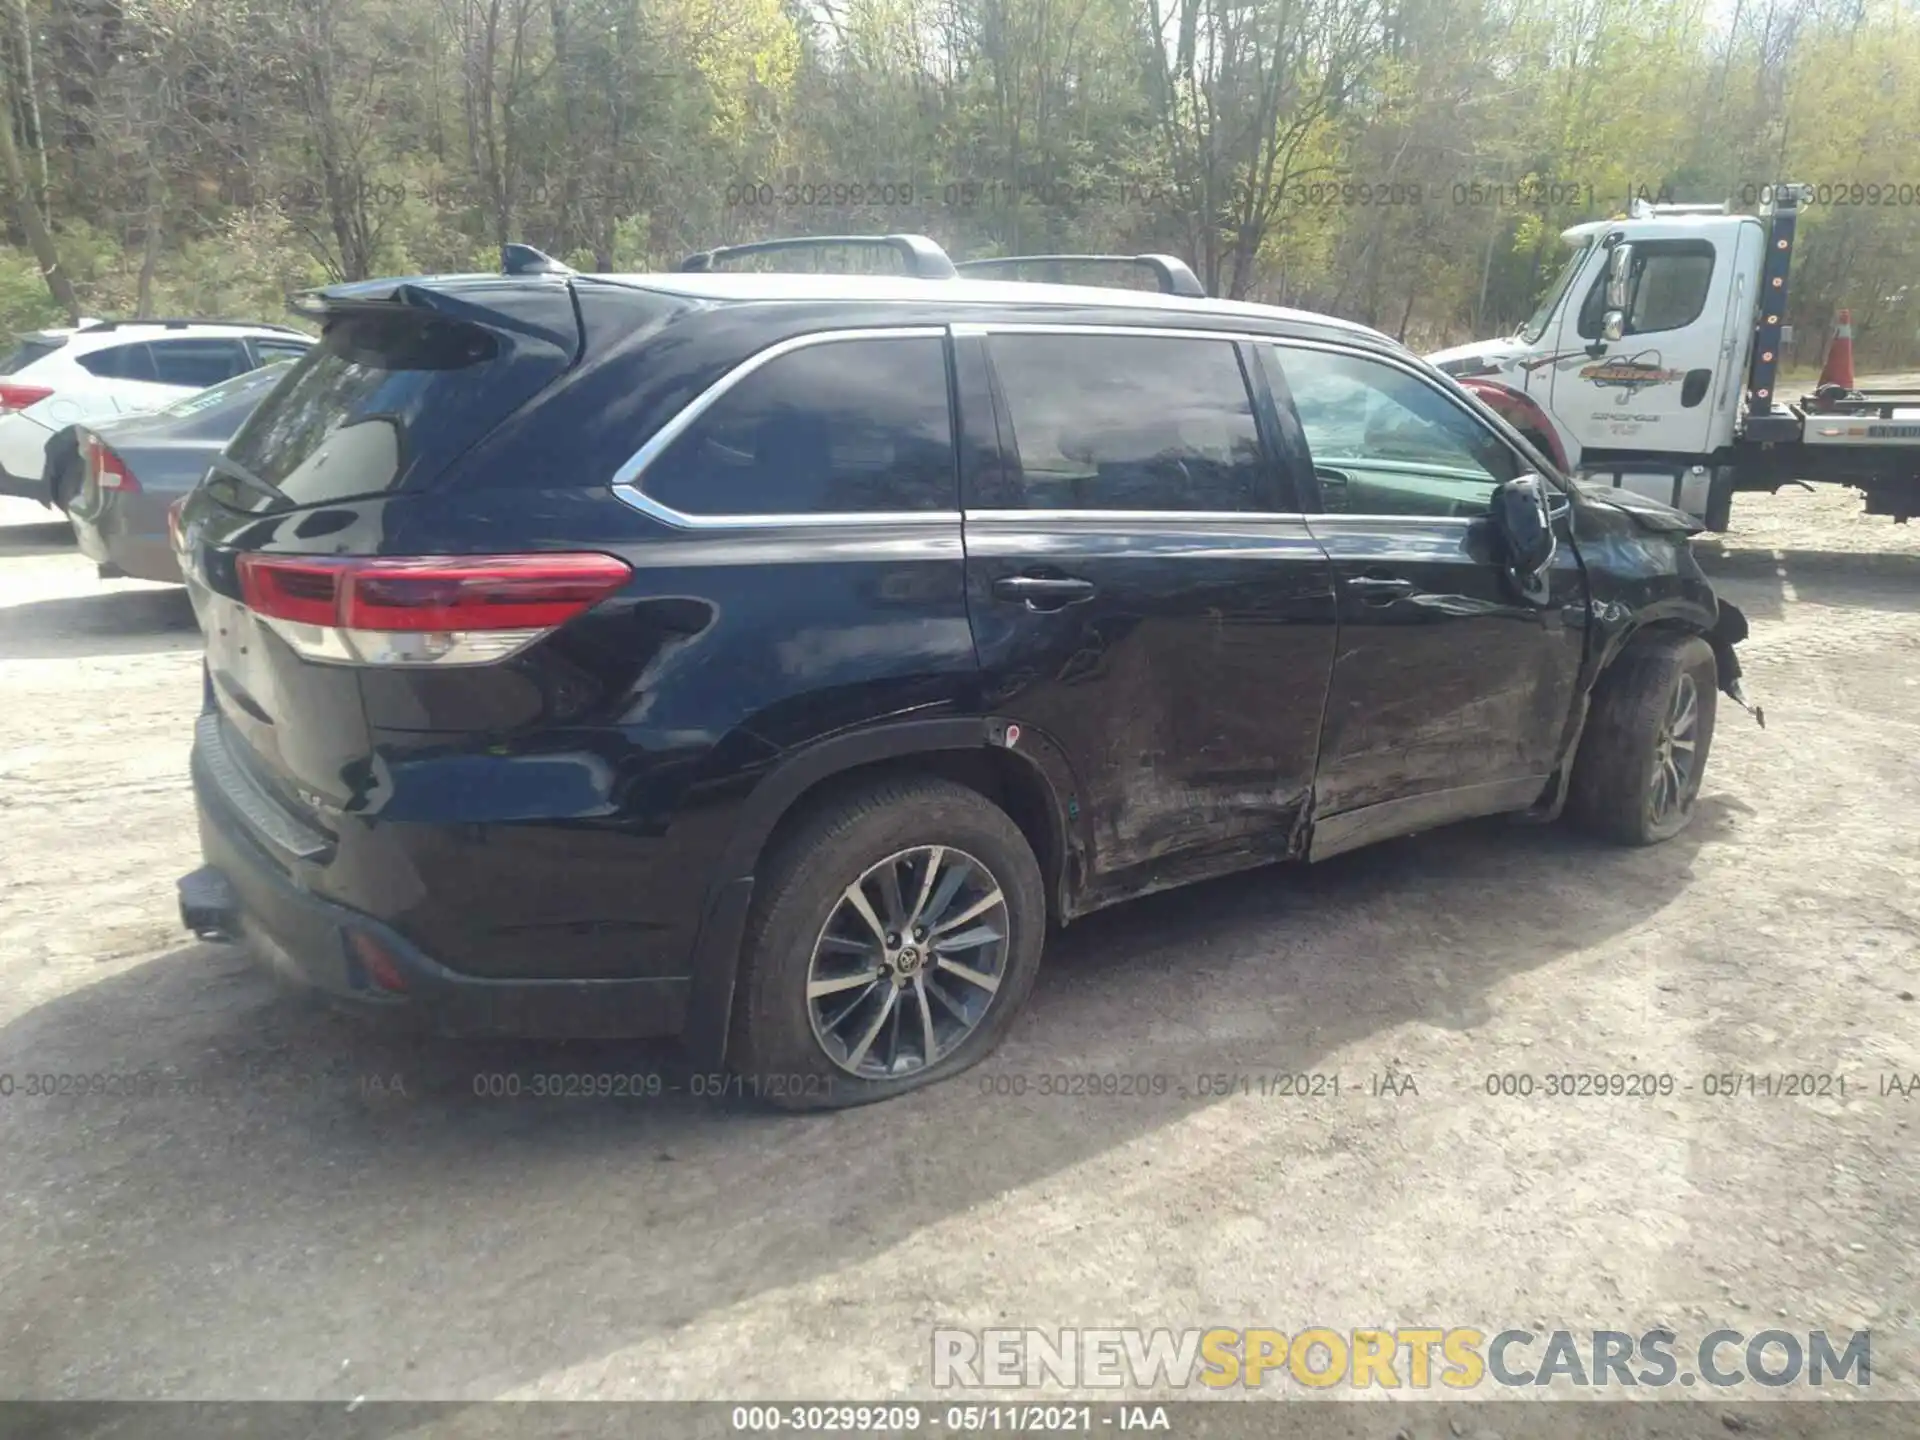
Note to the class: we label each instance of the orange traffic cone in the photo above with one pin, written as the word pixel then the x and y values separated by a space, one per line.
pixel 1839 367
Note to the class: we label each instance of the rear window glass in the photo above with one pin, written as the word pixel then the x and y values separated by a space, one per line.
pixel 220 408
pixel 379 399
pixel 34 347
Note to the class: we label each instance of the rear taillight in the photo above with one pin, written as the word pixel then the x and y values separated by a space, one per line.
pixel 21 397
pixel 433 610
pixel 108 469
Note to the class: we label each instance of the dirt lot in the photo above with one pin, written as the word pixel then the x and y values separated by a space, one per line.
pixel 279 1219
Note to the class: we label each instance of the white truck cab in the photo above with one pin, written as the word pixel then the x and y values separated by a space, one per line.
pixel 1651 361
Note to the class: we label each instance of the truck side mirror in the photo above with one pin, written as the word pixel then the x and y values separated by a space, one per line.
pixel 1613 325
pixel 1619 272
pixel 1524 515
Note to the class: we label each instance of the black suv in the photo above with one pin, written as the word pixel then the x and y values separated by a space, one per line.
pixel 767 658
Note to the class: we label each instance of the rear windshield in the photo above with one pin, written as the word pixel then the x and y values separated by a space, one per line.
pixel 381 400
pixel 30 349
pixel 222 407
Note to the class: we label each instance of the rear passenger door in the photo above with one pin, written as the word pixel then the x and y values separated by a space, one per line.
pixel 1145 592
pixel 1451 693
pixel 809 507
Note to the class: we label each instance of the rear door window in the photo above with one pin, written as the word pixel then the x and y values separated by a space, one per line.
pixel 1128 422
pixel 120 362
pixel 199 363
pixel 271 350
pixel 841 427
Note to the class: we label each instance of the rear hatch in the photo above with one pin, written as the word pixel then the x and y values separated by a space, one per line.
pixel 286 545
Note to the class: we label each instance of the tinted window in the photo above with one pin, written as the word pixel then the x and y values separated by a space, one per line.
pixel 1128 422
pixel 279 349
pixel 1385 442
pixel 842 426
pixel 219 409
pixel 34 347
pixel 199 362
pixel 1666 288
pixel 379 397
pixel 119 362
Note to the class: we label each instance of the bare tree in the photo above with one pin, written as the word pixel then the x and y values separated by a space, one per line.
pixel 26 213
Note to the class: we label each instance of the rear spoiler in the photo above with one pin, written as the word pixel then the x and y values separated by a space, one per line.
pixel 535 311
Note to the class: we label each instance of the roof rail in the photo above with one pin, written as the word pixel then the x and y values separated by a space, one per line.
pixel 182 322
pixel 920 257
pixel 1175 277
pixel 525 260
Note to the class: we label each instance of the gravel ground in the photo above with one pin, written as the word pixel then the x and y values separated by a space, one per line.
pixel 310 1208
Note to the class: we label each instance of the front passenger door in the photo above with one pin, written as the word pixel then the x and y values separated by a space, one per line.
pixel 1451 693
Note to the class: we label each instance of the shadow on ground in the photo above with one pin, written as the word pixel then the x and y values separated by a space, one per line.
pixel 274 1155
pixel 45 538
pixel 1765 579
pixel 113 622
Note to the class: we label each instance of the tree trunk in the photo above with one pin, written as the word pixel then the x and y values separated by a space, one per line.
pixel 34 133
pixel 27 213
pixel 571 222
pixel 150 248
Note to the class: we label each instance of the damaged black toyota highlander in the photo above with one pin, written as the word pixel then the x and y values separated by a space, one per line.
pixel 765 659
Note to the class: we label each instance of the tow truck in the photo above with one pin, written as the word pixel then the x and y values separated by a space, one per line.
pixel 1652 364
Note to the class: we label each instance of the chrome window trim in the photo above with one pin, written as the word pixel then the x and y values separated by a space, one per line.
pixel 1435 520
pixel 626 480
pixel 990 328
pixel 1133 517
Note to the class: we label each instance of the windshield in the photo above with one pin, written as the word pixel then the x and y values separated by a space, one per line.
pixel 1536 325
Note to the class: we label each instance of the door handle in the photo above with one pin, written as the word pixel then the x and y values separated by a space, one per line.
pixel 1380 589
pixel 1043 592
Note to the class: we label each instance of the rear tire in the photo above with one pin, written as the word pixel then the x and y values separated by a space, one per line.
pixel 1645 746
pixel 818 979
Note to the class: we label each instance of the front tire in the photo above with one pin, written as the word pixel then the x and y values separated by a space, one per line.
pixel 893 937
pixel 1645 747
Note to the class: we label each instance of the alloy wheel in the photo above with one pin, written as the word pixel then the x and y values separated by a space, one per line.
pixel 1674 751
pixel 908 963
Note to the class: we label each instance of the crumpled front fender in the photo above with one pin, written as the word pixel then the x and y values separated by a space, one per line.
pixel 1729 629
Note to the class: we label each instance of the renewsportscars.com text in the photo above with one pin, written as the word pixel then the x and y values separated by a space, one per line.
pixel 1408 1357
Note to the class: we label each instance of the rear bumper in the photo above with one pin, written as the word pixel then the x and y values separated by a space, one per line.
pixel 129 535
pixel 245 895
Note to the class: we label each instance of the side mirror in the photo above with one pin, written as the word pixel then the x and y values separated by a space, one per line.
pixel 1613 325
pixel 1522 510
pixel 1619 272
